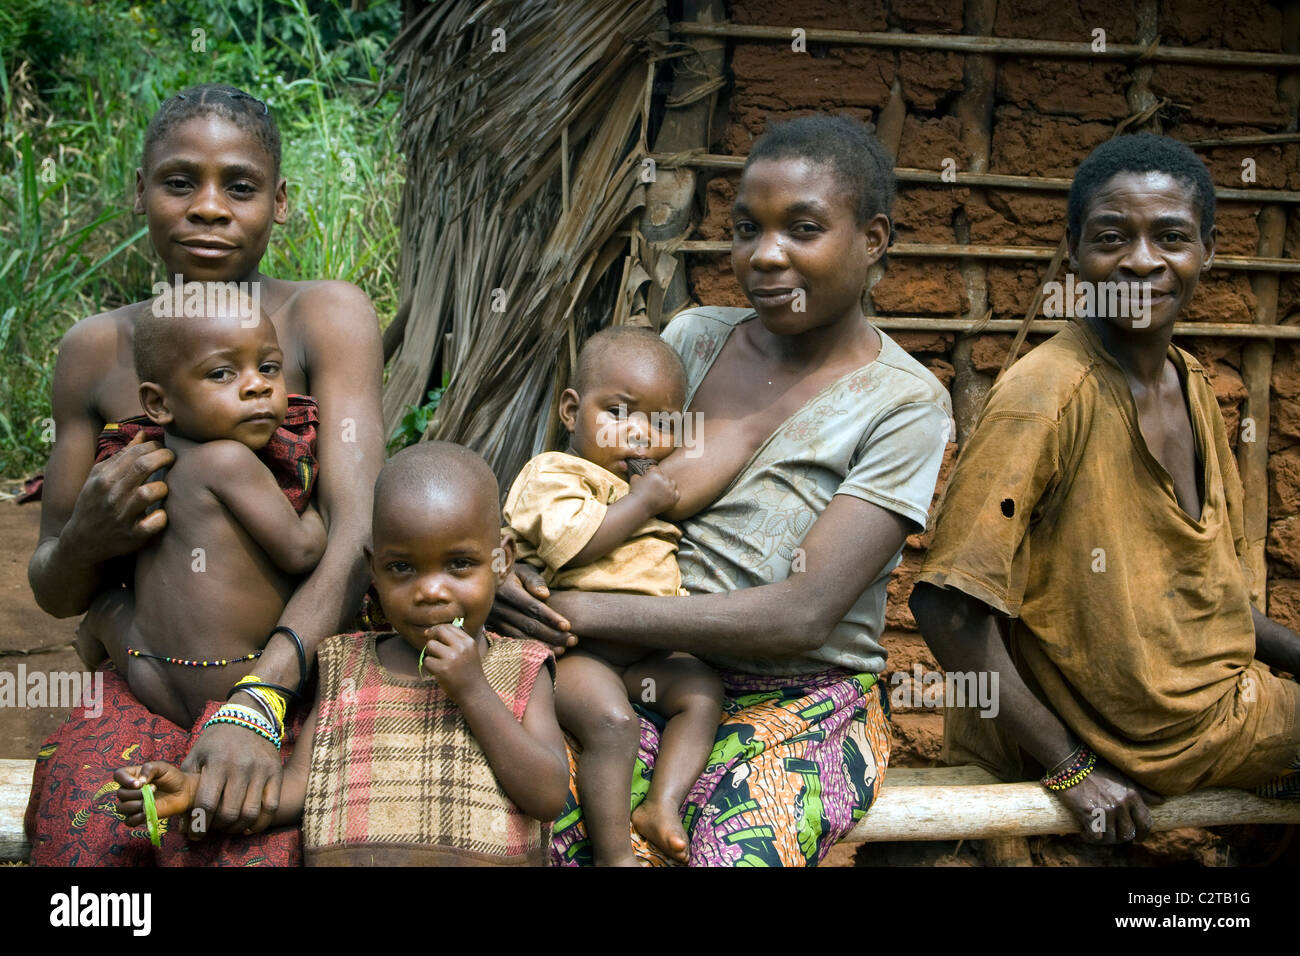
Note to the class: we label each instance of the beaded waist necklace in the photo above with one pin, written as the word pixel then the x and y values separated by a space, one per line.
pixel 183 662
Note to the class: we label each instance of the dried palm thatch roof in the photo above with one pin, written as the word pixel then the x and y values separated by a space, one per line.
pixel 513 243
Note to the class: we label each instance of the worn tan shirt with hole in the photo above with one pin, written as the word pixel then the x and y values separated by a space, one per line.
pixel 1130 618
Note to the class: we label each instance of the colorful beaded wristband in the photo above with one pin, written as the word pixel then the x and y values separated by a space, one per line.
pixel 251 719
pixel 246 717
pixel 1065 764
pixel 265 709
pixel 265 734
pixel 1081 763
pixel 1069 766
pixel 250 714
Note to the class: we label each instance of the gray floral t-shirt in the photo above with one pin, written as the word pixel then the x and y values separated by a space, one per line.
pixel 878 433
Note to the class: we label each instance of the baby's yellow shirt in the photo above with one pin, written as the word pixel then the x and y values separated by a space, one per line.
pixel 555 506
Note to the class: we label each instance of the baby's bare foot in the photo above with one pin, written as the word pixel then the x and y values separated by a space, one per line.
pixel 663 828
pixel 629 860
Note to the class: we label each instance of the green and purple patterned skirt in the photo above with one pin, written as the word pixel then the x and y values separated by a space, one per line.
pixel 796 763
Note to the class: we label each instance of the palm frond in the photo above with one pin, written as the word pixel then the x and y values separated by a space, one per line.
pixel 499 279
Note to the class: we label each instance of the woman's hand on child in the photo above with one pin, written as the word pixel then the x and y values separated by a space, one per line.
pixel 452 657
pixel 109 517
pixel 238 778
pixel 656 489
pixel 173 790
pixel 520 610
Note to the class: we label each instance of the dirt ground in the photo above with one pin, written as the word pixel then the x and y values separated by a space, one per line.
pixel 28 635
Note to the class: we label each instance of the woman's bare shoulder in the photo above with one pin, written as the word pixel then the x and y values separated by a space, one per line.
pixel 334 298
pixel 101 325
pixel 98 343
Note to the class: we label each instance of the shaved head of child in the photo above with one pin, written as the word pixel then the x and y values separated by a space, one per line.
pixel 626 400
pixel 165 333
pixel 437 550
pixel 436 474
pixel 611 352
pixel 215 372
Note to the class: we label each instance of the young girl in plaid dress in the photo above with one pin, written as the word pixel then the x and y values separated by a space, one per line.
pixel 435 743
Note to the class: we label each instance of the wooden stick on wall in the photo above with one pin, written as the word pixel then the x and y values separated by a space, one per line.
pixel 970 387
pixel 1257 376
pixel 938 250
pixel 1257 356
pixel 889 130
pixel 1013 46
pixel 1139 93
pixel 1203 330
pixel 974 108
pixel 671 196
pixel 910 174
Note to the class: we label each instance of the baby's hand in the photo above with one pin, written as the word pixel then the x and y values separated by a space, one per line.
pixel 657 490
pixel 452 657
pixel 173 790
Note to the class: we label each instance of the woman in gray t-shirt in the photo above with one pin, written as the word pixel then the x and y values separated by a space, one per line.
pixel 819 449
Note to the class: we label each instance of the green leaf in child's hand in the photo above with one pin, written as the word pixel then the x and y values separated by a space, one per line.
pixel 151 814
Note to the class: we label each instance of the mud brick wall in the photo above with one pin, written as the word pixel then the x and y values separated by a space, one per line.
pixel 1047 115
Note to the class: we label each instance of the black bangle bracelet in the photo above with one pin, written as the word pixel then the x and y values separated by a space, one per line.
pixel 302 654
pixel 275 687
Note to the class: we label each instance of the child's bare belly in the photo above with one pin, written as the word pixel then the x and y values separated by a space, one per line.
pixel 204 592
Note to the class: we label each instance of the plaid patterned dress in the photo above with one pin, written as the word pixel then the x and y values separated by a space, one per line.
pixel 396 776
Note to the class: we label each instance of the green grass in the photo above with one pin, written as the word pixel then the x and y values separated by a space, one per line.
pixel 79 85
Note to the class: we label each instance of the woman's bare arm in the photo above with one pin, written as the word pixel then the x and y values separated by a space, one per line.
pixel 347 368
pixel 89 513
pixel 845 550
pixel 345 363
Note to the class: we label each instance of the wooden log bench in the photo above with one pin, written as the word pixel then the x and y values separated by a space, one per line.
pixel 15 788
pixel 968 803
pixel 938 803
